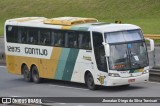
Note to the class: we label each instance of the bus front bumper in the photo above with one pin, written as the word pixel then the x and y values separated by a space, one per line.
pixel 115 81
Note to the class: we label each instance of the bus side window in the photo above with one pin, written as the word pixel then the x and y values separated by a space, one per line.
pixel 70 40
pixel 84 40
pixel 22 35
pixel 33 36
pixel 45 37
pixel 59 39
pixel 11 32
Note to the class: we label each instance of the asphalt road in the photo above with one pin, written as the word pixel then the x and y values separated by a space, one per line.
pixel 15 86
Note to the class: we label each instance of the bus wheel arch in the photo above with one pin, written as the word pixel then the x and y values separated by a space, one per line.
pixel 85 75
pixel 26 73
pixel 89 80
pixel 35 74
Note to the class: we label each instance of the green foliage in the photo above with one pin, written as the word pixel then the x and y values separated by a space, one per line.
pixel 144 13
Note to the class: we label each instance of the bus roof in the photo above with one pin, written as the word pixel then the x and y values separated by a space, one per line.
pixel 69 20
pixel 70 23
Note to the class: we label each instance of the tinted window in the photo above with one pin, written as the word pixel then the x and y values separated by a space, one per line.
pixel 99 52
pixel 70 40
pixel 59 38
pixel 22 35
pixel 45 36
pixel 84 40
pixel 11 32
pixel 33 36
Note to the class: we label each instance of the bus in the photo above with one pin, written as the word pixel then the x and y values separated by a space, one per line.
pixel 76 49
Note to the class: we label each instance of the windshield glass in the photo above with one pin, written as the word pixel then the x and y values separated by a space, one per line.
pixel 128 56
pixel 123 36
pixel 127 49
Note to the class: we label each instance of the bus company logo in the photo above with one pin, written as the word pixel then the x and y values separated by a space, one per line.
pixel 87 58
pixel 6 100
pixel 101 79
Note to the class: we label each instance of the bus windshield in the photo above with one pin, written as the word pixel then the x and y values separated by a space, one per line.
pixel 128 56
pixel 128 51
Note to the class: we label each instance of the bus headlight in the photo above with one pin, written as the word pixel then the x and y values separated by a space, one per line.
pixel 145 71
pixel 114 75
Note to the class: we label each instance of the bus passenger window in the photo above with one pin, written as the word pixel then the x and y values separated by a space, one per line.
pixel 45 37
pixel 84 41
pixel 33 36
pixel 59 39
pixel 22 35
pixel 11 32
pixel 70 40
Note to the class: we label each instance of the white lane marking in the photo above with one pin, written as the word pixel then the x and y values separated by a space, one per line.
pixel 67 87
pixel 154 82
pixel 15 96
pixel 80 105
pixel 62 103
pixel 2 66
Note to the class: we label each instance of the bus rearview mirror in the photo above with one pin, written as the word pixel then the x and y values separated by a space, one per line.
pixel 107 49
pixel 151 41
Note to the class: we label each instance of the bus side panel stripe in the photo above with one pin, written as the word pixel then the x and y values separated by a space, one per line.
pixel 61 64
pixel 55 57
pixel 71 61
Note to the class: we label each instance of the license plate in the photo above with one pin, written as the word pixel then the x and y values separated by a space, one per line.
pixel 131 80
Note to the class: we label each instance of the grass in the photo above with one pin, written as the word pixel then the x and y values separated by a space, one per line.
pixel 144 13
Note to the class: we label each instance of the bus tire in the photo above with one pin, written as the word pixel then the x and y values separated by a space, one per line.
pixel 90 82
pixel 35 75
pixel 26 74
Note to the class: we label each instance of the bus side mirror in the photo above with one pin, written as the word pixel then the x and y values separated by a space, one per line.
pixel 107 49
pixel 151 44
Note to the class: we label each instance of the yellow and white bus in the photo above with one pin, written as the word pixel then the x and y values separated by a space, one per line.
pixel 76 49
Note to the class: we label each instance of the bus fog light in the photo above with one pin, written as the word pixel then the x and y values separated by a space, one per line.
pixel 114 75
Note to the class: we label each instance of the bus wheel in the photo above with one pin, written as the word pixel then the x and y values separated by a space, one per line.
pixel 35 75
pixel 90 82
pixel 27 74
